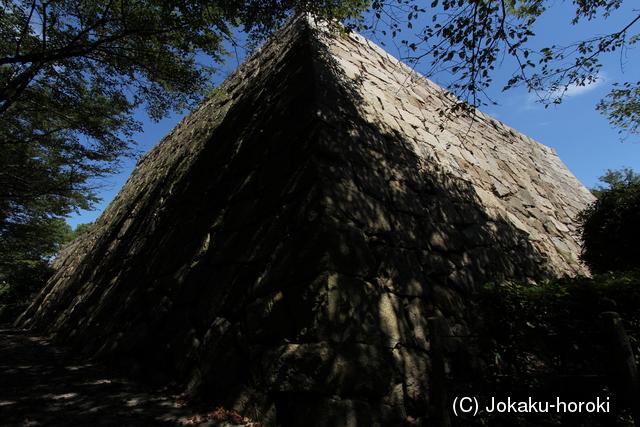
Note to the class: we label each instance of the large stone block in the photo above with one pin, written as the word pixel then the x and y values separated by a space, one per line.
pixel 343 308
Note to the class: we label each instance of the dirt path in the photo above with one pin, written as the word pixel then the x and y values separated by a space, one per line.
pixel 42 384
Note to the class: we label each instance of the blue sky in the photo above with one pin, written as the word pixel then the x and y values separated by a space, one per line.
pixel 582 137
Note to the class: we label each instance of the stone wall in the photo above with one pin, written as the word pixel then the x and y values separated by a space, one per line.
pixel 281 249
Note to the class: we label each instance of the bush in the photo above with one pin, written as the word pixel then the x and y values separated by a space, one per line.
pixel 547 340
pixel 610 226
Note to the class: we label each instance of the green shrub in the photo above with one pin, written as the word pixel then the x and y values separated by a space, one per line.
pixel 610 226
pixel 546 340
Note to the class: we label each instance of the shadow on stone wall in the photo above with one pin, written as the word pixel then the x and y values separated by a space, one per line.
pixel 290 271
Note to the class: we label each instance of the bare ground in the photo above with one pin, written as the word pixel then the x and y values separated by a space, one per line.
pixel 42 384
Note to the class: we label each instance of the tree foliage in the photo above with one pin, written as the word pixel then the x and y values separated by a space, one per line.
pixel 622 107
pixel 616 180
pixel 72 73
pixel 610 226
pixel 26 250
pixel 470 39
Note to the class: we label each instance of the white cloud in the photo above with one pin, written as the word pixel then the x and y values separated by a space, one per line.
pixel 575 90
pixel 533 100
